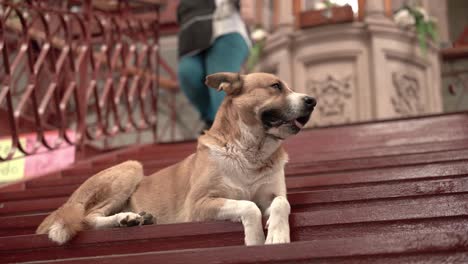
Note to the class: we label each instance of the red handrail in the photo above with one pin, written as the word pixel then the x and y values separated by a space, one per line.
pixel 74 61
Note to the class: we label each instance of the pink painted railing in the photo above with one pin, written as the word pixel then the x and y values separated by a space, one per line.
pixel 79 68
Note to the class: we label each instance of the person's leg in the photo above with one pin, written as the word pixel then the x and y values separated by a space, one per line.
pixel 191 75
pixel 227 54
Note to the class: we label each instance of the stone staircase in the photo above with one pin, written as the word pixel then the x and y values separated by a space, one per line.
pixel 382 192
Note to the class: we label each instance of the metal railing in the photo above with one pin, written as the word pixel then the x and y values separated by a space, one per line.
pixel 87 71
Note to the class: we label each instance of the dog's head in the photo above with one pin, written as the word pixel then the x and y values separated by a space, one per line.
pixel 263 100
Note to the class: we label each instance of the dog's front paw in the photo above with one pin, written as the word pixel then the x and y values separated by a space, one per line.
pixel 278 232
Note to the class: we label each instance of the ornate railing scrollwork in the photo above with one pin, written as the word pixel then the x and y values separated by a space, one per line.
pixel 71 67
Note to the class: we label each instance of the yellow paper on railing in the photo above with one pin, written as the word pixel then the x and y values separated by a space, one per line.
pixel 14 169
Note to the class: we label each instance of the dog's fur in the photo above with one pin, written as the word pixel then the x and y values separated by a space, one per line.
pixel 236 174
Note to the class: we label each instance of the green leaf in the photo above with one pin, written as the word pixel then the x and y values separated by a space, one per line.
pixel 254 56
pixel 422 39
pixel 424 29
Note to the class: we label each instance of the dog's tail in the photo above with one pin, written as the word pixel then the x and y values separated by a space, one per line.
pixel 63 223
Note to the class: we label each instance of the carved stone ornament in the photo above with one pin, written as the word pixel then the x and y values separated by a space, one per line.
pixel 407 99
pixel 333 96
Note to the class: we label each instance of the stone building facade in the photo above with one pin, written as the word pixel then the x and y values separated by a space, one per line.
pixel 359 71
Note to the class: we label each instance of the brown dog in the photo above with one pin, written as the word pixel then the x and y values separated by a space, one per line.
pixel 236 174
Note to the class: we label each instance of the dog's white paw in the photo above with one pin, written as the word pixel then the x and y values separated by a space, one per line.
pixel 132 219
pixel 278 232
pixel 58 233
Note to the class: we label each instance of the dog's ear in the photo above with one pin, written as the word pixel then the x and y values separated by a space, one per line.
pixel 229 82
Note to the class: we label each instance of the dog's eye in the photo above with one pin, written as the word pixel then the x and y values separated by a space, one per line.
pixel 276 86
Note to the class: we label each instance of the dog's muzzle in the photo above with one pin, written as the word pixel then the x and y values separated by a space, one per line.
pixel 309 104
pixel 276 118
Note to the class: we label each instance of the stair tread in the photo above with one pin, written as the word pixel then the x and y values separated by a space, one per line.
pixel 378 192
pixel 313 166
pixel 304 227
pixel 345 199
pixel 295 179
pixel 409 241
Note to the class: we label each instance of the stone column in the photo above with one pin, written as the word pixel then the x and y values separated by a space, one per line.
pixel 375 8
pixel 248 9
pixel 285 13
pixel 375 12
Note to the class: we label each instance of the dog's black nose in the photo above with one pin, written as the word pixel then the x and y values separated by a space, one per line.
pixel 309 101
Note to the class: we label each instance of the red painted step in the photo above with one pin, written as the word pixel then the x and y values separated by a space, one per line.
pixel 384 192
pixel 398 192
pixel 305 226
pixel 441 169
pixel 331 194
pixel 298 164
pixel 374 246
pixel 376 134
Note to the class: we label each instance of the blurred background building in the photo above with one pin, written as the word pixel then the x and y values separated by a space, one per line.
pixel 357 58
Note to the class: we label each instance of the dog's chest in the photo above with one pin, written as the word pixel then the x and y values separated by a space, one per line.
pixel 243 185
pixel 242 180
pixel 243 172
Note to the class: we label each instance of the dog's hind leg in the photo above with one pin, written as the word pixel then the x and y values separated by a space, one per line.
pixel 103 194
